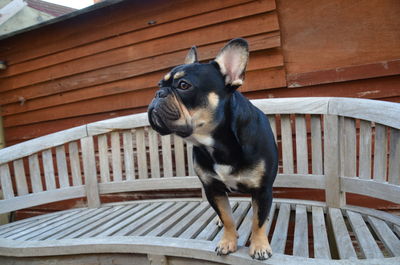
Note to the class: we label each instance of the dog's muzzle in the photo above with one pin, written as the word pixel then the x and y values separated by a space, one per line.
pixel 163 115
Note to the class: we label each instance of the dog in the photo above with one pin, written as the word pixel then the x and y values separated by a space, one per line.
pixel 233 145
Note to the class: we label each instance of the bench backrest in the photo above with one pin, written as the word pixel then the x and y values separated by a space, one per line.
pixel 336 144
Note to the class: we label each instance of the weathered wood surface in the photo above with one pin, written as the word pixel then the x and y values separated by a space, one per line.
pixel 186 227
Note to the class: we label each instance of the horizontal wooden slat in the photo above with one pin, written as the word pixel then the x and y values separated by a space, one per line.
pixel 151 184
pixel 39 198
pixel 50 42
pixel 254 25
pixel 384 191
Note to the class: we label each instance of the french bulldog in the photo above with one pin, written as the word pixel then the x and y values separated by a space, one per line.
pixel 234 149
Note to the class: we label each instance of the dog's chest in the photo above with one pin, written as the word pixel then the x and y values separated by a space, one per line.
pixel 248 177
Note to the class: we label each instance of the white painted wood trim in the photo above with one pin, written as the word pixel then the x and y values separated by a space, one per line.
pixel 10 10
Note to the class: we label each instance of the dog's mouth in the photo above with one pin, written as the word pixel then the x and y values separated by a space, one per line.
pixel 166 119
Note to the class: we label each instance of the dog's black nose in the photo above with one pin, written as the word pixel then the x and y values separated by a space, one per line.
pixel 161 93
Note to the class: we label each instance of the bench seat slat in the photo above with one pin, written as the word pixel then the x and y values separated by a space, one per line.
pixel 367 242
pixel 385 234
pixel 321 243
pixel 278 241
pixel 53 227
pixel 113 222
pixel 143 220
pixel 185 222
pixel 117 210
pixel 198 225
pixel 78 223
pixel 43 225
pixel 158 222
pixel 171 219
pixel 132 218
pixel 300 245
pixel 342 237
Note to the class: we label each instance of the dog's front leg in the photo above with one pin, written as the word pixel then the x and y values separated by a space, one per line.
pixel 220 203
pixel 259 247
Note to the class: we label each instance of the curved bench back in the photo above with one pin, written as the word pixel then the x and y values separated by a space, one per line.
pixel 125 154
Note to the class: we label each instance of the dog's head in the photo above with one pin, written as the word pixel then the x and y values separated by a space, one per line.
pixel 191 95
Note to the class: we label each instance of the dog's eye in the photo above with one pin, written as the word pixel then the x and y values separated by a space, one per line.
pixel 184 85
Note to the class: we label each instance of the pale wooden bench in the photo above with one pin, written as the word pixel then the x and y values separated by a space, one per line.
pixel 335 144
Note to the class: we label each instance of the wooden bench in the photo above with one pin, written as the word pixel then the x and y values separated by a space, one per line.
pixel 339 145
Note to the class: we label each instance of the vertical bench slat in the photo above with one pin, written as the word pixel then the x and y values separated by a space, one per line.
pixel 394 160
pixel 366 240
pixel 321 243
pixel 103 158
pixel 300 244
pixel 128 155
pixel 272 122
pixel 20 177
pixel 116 157
pixel 154 155
pixel 89 169
pixel 342 237
pixel 380 155
pixel 62 166
pixel 316 145
pixel 189 150
pixel 365 149
pixel 278 241
pixel 48 167
pixel 385 234
pixel 141 153
pixel 166 155
pixel 34 171
pixel 179 156
pixel 75 164
pixel 334 196
pixel 348 147
pixel 301 145
pixel 5 180
pixel 287 145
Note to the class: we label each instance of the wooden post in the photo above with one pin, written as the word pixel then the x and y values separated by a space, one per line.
pixel 89 169
pixel 333 195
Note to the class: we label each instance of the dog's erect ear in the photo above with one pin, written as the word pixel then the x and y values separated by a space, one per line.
pixel 232 60
pixel 191 57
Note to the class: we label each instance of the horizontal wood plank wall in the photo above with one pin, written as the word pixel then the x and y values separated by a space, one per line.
pixel 96 66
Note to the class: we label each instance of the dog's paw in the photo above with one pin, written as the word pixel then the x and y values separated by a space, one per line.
pixel 260 249
pixel 226 246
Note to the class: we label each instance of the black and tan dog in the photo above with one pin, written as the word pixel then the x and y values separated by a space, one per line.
pixel 234 148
